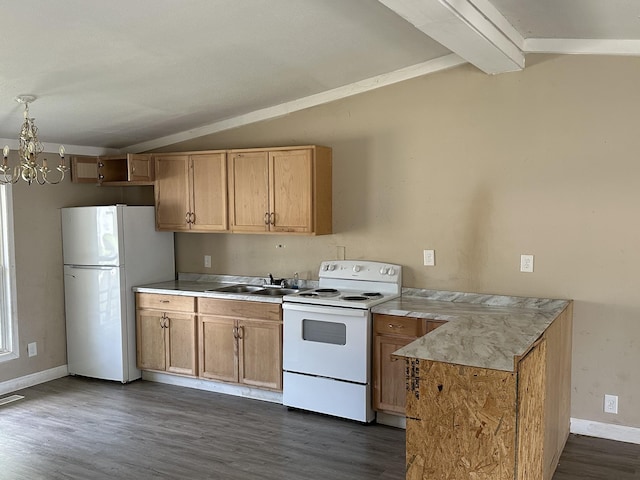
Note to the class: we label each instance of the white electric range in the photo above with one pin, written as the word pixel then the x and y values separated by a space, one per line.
pixel 327 338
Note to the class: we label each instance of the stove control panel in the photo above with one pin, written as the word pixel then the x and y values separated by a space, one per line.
pixel 361 270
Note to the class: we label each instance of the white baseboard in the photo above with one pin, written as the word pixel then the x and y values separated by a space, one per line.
pixel 605 430
pixel 398 421
pixel 213 386
pixel 33 379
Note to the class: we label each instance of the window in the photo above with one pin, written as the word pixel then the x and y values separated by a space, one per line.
pixel 8 317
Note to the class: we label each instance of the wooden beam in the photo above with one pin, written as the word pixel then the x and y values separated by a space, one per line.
pixel 473 29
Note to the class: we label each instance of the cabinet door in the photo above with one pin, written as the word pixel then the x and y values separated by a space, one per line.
pixel 260 353
pixel 180 340
pixel 249 192
pixel 84 169
pixel 140 168
pixel 172 192
pixel 389 384
pixel 291 191
pixel 150 340
pixel 209 192
pixel 218 348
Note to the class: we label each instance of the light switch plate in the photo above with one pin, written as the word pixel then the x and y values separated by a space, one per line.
pixel 33 349
pixel 207 261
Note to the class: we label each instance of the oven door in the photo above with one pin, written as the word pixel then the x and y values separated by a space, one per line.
pixel 332 342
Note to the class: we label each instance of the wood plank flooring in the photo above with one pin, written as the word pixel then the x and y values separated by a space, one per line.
pixel 75 428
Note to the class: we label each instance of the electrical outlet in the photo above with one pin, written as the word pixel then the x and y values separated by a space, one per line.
pixel 207 261
pixel 526 263
pixel 611 404
pixel 33 349
pixel 429 258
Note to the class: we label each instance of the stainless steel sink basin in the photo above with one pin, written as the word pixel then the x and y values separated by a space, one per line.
pixel 276 291
pixel 240 288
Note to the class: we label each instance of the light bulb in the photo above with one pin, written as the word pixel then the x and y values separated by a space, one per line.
pixel 61 150
pixel 5 151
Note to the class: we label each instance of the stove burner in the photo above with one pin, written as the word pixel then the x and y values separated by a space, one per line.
pixel 372 294
pixel 309 294
pixel 355 298
pixel 326 292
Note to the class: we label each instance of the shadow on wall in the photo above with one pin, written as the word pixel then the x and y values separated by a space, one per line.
pixel 473 236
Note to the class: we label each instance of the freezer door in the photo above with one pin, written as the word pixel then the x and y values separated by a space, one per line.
pixel 90 236
pixel 94 307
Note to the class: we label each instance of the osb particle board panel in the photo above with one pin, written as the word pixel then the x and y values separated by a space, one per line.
pixel 531 409
pixel 461 423
pixel 558 338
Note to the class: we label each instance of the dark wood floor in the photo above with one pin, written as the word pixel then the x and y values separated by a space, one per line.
pixel 75 428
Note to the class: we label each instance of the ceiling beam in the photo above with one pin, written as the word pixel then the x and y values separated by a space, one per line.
pixel 473 29
pixel 413 71
pixel 595 46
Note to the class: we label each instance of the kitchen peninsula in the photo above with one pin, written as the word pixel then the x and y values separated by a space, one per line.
pixel 488 392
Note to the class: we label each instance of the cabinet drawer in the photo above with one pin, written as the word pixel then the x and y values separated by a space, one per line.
pixel 405 326
pixel 433 324
pixel 240 309
pixel 175 303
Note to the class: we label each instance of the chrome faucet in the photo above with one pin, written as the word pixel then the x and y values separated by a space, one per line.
pixel 276 282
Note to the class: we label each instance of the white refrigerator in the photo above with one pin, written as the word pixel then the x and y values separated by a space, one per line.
pixel 107 251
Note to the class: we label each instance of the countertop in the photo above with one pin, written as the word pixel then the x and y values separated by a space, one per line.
pixel 486 331
pixel 196 285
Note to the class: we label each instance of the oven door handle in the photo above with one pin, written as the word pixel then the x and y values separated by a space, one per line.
pixel 326 309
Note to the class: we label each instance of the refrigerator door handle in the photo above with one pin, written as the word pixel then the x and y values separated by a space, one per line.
pixel 92 267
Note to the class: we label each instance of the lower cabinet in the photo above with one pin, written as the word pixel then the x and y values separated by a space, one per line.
pixel 389 377
pixel 240 342
pixel 166 333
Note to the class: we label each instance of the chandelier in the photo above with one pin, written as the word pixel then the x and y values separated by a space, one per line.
pixel 29 147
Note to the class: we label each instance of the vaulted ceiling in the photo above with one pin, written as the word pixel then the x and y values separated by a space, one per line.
pixel 137 75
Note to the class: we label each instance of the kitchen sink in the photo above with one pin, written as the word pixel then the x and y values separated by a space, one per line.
pixel 276 291
pixel 255 290
pixel 240 288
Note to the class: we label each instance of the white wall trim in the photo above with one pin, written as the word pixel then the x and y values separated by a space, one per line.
pixel 213 386
pixel 33 379
pixel 609 431
pixel 52 149
pixel 407 73
pixel 583 46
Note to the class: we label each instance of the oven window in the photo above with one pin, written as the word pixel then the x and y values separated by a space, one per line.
pixel 324 332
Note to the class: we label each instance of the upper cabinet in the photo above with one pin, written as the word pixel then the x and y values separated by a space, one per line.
pixel 282 190
pixel 191 191
pixel 113 170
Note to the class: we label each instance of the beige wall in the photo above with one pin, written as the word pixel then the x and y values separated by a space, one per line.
pixel 482 169
pixel 38 256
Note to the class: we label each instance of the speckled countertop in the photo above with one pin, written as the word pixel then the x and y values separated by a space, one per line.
pixel 487 331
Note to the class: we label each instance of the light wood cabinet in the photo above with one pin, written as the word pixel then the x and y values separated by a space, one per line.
pixel 191 192
pixel 240 342
pixel 284 190
pixel 113 170
pixel 389 376
pixel 166 333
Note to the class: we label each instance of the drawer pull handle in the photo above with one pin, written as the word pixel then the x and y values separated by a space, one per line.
pixel 165 301
pixel 391 325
